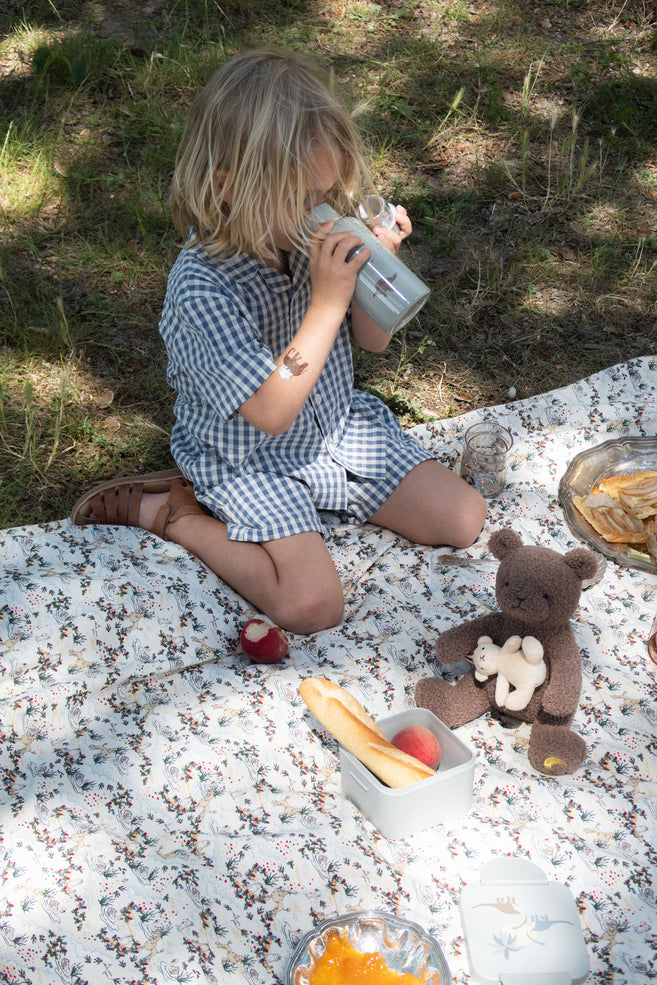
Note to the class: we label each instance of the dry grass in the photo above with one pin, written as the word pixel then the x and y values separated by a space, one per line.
pixel 522 138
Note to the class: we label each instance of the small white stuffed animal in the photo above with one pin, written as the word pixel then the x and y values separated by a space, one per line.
pixel 518 663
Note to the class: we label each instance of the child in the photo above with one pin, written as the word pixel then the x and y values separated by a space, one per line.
pixel 257 323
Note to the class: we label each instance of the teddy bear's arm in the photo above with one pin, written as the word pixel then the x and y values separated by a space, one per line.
pixel 460 641
pixel 562 692
pixel 501 690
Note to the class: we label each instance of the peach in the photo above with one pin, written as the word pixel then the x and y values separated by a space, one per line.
pixel 420 742
pixel 262 642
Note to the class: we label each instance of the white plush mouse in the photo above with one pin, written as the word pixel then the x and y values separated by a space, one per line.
pixel 518 663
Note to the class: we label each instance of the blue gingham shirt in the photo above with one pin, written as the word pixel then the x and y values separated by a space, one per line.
pixel 224 322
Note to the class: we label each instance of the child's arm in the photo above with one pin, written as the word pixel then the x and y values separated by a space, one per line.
pixel 275 405
pixel 366 333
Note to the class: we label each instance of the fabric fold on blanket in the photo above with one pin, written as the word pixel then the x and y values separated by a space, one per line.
pixel 171 812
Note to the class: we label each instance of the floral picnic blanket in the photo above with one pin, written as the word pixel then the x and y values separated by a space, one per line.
pixel 172 813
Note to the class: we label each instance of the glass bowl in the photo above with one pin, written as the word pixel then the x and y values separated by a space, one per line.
pixel 403 945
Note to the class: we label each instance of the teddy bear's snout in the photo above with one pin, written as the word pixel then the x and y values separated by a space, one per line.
pixel 523 597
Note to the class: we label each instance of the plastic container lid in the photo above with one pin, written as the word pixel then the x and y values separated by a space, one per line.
pixel 521 929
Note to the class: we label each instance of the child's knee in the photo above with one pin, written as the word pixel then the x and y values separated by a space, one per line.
pixel 311 611
pixel 468 522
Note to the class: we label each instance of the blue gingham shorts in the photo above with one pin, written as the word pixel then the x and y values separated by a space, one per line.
pixel 270 506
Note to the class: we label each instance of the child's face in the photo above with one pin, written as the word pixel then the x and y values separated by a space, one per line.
pixel 323 174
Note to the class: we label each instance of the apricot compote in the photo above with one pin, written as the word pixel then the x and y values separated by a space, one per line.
pixel 342 964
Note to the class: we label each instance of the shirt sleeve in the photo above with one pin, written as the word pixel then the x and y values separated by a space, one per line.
pixel 216 354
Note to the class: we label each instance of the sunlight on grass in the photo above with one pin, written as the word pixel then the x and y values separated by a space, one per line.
pixel 54 413
pixel 524 150
pixel 27 178
pixel 17 46
pixel 551 301
pixel 28 167
pixel 605 217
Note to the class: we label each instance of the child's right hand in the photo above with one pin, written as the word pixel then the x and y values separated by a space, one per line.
pixel 333 271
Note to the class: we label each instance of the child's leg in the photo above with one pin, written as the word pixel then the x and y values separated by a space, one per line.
pixel 293 580
pixel 433 505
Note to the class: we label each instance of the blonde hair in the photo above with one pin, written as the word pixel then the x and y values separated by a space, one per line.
pixel 259 122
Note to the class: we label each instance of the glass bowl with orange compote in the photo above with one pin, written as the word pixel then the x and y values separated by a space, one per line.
pixel 368 948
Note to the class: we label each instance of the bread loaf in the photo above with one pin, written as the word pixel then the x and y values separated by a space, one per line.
pixel 348 722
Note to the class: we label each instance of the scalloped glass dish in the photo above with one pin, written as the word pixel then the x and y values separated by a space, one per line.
pixel 586 469
pixel 404 946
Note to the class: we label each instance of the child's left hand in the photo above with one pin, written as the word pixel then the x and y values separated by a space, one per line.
pixel 390 237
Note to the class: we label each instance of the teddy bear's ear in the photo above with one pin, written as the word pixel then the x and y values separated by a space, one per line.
pixel 582 561
pixel 502 542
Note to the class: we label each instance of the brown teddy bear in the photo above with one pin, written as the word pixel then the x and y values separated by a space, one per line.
pixel 538 592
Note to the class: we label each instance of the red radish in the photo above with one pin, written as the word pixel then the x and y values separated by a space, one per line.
pixel 262 642
pixel 420 742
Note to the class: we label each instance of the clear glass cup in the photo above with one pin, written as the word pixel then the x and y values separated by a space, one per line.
pixel 376 211
pixel 485 455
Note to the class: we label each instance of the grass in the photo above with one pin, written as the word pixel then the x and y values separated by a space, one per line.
pixel 522 138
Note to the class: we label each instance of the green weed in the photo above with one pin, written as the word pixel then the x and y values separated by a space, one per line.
pixel 526 155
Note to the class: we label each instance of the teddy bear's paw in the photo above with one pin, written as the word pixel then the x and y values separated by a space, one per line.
pixel 432 693
pixel 442 699
pixel 454 704
pixel 518 699
pixel 555 750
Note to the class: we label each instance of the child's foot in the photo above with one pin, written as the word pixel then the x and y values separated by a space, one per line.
pixel 152 502
pixel 149 507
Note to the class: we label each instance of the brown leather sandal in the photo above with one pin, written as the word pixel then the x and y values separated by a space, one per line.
pixel 117 501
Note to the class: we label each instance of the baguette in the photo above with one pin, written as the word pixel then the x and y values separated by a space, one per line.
pixel 348 722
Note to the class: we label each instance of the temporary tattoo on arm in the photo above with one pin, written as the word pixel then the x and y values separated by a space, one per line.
pixel 292 364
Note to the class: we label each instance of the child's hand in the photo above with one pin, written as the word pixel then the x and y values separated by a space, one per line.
pixel 390 237
pixel 332 270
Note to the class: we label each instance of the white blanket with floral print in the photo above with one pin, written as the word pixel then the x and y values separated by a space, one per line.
pixel 170 811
